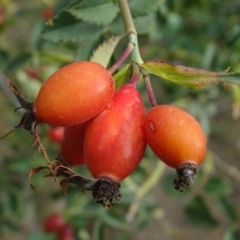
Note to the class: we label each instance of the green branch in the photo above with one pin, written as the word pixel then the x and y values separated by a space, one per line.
pixel 130 30
pixel 127 17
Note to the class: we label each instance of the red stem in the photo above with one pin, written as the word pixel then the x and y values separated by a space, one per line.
pixel 134 79
pixel 149 88
pixel 122 58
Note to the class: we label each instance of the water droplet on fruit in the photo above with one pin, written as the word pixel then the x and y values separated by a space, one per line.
pixel 152 127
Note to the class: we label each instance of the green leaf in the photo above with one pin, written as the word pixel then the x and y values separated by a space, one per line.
pixel 10 225
pixel 104 52
pixel 114 219
pixel 32 87
pixel 18 61
pixel 64 4
pixel 91 209
pixel 55 57
pixel 143 7
pixel 144 217
pixel 98 231
pixel 35 41
pixel 144 24
pixel 97 12
pixel 190 77
pixel 199 214
pixel 117 27
pixel 66 28
pixel 4 58
pixel 218 186
pixel 231 234
pixel 85 49
pixel 229 208
pixel 41 235
pixel 122 76
pixel 78 221
pixel 22 166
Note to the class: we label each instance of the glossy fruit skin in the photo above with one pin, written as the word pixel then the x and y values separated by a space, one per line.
pixel 72 144
pixel 175 136
pixel 53 223
pixel 114 141
pixel 55 134
pixel 74 94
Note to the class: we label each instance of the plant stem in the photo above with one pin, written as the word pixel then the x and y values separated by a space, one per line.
pixel 122 58
pixel 135 76
pixel 127 17
pixel 225 167
pixel 135 54
pixel 134 79
pixel 144 189
pixel 130 30
pixel 149 87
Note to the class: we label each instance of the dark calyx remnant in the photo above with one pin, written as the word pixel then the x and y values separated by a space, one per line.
pixel 28 118
pixel 63 161
pixel 105 190
pixel 28 121
pixel 186 173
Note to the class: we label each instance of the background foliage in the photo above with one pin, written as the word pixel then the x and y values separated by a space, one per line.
pixel 202 34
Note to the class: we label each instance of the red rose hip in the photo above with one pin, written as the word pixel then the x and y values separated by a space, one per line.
pixel 74 94
pixel 177 139
pixel 70 96
pixel 56 134
pixel 53 223
pixel 114 142
pixel 72 145
pixel 66 232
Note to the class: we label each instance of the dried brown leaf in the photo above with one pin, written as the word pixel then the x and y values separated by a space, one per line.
pixel 33 172
pixel 64 184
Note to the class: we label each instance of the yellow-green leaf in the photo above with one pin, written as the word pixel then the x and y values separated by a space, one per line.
pixel 104 52
pixel 122 76
pixel 190 77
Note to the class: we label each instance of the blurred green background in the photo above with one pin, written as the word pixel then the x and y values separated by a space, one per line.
pixel 196 33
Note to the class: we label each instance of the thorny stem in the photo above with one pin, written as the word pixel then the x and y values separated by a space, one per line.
pixel 225 167
pixel 144 189
pixel 56 169
pixel 149 87
pixel 37 141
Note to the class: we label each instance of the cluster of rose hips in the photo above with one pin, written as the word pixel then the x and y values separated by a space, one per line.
pixel 55 223
pixel 108 129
